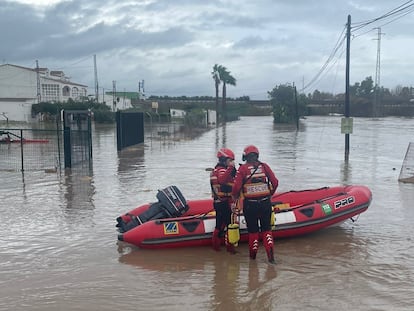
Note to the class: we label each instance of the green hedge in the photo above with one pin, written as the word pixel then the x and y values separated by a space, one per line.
pixel 101 112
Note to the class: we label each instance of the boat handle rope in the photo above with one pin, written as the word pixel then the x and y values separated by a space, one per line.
pixel 199 216
pixel 319 201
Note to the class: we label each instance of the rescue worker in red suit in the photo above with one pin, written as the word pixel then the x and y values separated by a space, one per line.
pixel 256 182
pixel 221 180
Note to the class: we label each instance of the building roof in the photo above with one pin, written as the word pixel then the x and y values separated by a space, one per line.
pixel 54 73
pixel 21 67
pixel 65 82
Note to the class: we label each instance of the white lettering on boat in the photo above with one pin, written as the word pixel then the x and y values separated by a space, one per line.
pixel 344 202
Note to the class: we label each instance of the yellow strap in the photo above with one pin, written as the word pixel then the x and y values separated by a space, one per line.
pixel 282 206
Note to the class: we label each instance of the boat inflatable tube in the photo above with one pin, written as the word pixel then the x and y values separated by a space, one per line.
pixel 171 203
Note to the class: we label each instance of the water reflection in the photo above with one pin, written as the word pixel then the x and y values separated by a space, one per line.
pixel 78 190
pixel 226 281
pixel 221 137
pixel 285 145
pixel 260 286
pixel 162 260
pixel 224 136
pixel 346 172
pixel 257 279
pixel 340 243
pixel 131 158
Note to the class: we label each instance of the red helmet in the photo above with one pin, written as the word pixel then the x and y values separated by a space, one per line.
pixel 249 149
pixel 225 153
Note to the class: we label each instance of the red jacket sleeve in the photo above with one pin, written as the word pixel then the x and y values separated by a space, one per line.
pixel 272 177
pixel 238 181
pixel 225 175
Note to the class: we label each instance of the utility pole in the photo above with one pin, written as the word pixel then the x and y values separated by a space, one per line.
pixel 377 74
pixel 347 110
pixel 96 79
pixel 39 98
pixel 114 95
pixel 141 86
pixel 295 98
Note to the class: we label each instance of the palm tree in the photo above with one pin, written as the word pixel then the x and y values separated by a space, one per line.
pixel 227 79
pixel 216 77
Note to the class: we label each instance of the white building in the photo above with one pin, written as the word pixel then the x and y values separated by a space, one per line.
pixel 20 87
pixel 177 113
pixel 210 116
pixel 117 101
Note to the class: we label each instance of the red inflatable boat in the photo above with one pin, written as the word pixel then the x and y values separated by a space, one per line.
pixel 7 137
pixel 24 141
pixel 175 222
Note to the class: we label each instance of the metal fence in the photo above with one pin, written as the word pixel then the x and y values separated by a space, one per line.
pixel 407 168
pixel 31 149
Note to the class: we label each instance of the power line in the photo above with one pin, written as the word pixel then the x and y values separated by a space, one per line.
pixel 398 12
pixel 339 43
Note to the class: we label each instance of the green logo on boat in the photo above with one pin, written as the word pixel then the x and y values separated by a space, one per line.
pixel 327 209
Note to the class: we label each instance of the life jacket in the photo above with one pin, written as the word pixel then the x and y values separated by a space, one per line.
pixel 257 185
pixel 220 192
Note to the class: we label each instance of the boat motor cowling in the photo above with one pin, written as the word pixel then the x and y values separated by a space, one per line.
pixel 171 203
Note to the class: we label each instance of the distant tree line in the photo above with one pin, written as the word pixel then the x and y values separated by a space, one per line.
pixel 366 100
pixel 367 90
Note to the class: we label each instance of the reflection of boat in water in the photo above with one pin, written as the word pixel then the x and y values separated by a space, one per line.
pixel 174 222
pixel 177 259
pixel 10 138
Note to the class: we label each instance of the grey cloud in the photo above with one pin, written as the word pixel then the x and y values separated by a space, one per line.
pixel 173 44
pixel 251 42
pixel 103 38
pixel 31 35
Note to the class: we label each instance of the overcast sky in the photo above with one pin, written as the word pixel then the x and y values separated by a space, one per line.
pixel 173 44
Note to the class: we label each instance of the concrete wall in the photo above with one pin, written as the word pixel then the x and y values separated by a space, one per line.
pixel 16 111
pixel 16 82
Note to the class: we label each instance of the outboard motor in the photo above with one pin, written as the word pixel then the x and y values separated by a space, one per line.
pixel 171 203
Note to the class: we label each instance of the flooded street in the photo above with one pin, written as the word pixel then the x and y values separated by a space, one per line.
pixel 59 241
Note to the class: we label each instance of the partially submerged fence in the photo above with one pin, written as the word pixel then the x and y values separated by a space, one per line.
pixel 48 149
pixel 30 149
pixel 407 168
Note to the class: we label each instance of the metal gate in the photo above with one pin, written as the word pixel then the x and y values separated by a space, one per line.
pixel 129 129
pixel 77 138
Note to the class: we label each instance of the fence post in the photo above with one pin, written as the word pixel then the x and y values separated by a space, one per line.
pixel 21 149
pixel 66 142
